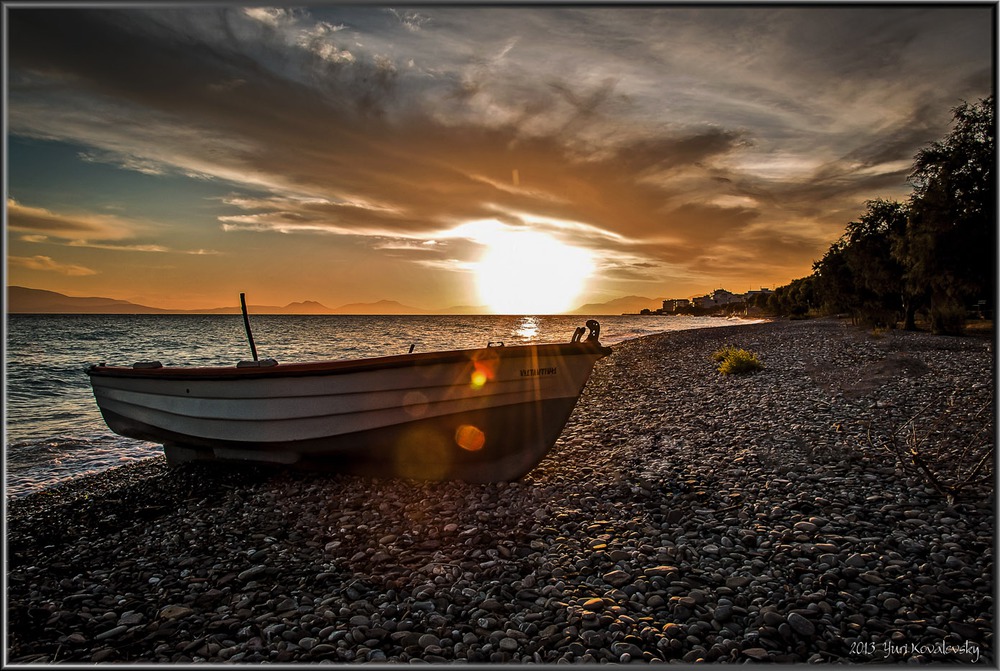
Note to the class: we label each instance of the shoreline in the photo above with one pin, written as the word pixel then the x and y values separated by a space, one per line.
pixel 41 456
pixel 682 515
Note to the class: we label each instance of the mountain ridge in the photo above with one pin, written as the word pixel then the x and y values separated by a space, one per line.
pixel 623 305
pixel 25 300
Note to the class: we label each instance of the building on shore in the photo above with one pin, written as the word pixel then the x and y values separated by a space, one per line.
pixel 676 304
pixel 717 299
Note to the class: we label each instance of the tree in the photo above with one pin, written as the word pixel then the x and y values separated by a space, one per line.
pixel 950 240
pixel 858 273
pixel 935 252
pixel 801 296
pixel 878 288
pixel 834 284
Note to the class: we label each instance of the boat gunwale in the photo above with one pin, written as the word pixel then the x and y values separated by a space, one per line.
pixel 347 366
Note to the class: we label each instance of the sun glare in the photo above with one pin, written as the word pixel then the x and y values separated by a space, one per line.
pixel 528 272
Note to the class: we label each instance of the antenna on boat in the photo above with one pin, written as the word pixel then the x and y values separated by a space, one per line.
pixel 246 325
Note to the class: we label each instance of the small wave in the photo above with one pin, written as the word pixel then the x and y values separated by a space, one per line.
pixel 39 464
pixel 26 454
pixel 57 432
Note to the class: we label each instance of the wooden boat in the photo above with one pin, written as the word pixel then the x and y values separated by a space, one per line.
pixel 479 415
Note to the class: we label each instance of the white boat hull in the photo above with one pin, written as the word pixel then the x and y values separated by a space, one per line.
pixel 478 415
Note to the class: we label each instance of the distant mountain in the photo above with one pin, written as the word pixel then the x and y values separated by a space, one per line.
pixel 379 308
pixel 25 300
pixel 627 304
pixel 299 308
pixel 40 301
pixel 463 310
pixel 306 308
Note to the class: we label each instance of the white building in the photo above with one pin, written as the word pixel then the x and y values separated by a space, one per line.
pixel 723 297
pixel 675 304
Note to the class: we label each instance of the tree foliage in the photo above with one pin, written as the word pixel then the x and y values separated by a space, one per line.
pixel 951 233
pixel 934 253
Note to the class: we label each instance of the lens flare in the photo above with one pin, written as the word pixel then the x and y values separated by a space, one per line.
pixel 422 453
pixel 415 404
pixel 484 369
pixel 470 438
pixel 478 379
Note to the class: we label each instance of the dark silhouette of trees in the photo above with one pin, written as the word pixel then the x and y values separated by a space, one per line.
pixel 859 273
pixel 951 234
pixel 934 253
pixel 877 275
pixel 833 280
pixel 794 299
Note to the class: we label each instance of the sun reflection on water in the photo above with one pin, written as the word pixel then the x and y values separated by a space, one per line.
pixel 527 328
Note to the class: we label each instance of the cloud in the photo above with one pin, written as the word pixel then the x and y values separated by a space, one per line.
pixel 40 221
pixel 150 248
pixel 412 21
pixel 125 161
pixel 46 264
pixel 94 231
pixel 672 138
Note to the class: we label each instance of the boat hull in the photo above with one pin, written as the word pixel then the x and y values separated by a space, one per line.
pixel 477 415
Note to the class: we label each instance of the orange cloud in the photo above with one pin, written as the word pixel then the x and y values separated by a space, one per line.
pixel 47 264
pixel 40 221
pixel 627 133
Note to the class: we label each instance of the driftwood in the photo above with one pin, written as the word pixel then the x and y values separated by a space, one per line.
pixel 942 458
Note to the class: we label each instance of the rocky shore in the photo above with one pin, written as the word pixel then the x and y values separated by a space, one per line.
pixel 682 516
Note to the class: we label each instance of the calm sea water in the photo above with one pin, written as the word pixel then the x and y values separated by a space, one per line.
pixel 54 431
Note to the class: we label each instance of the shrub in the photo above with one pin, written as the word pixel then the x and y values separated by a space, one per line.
pixel 947 320
pixel 799 312
pixel 736 361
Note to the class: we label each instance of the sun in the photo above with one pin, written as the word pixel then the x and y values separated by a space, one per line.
pixel 529 272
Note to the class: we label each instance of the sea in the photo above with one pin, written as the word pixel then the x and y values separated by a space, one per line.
pixel 54 431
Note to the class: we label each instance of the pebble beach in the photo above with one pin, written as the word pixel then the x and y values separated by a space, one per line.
pixel 682 516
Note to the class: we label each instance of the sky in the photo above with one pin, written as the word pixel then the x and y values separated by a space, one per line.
pixel 525 159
